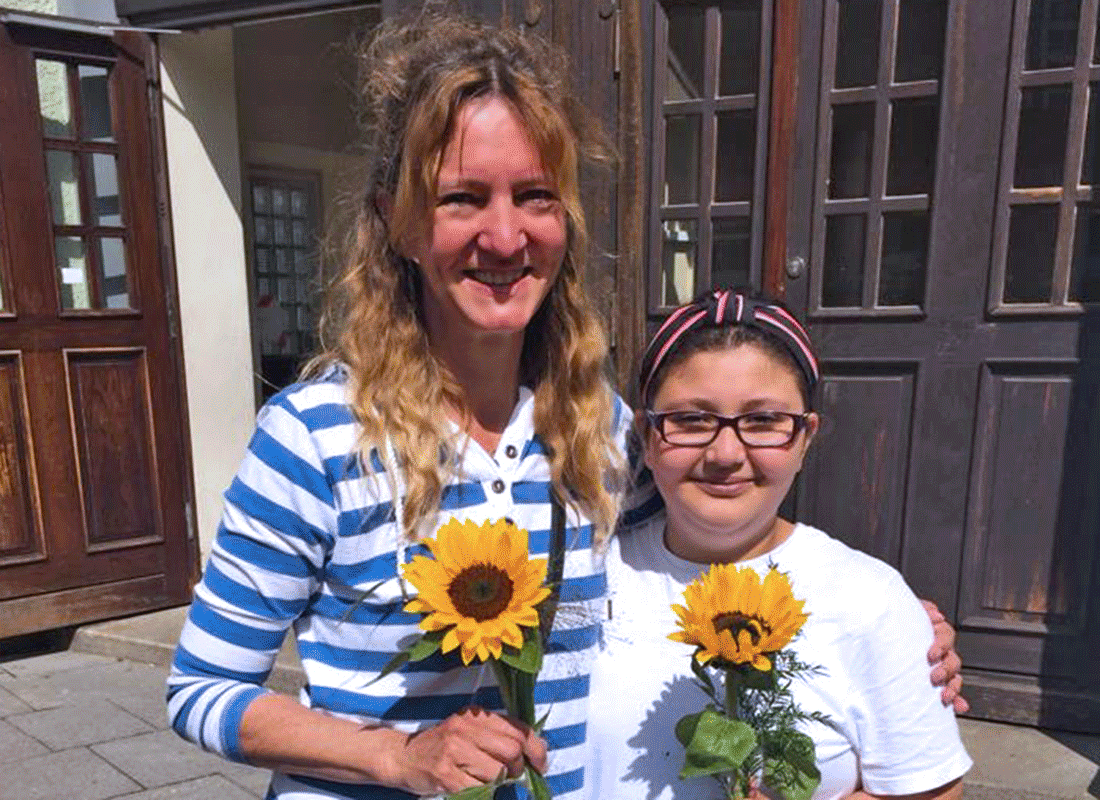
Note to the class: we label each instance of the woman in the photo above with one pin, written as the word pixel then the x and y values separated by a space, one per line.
pixel 464 376
pixel 727 384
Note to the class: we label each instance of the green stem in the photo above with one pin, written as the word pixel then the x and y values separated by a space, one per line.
pixel 732 685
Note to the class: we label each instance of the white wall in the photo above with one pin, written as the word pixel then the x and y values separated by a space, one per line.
pixel 204 174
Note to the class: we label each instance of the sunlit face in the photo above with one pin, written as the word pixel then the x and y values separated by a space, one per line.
pixel 498 233
pixel 722 499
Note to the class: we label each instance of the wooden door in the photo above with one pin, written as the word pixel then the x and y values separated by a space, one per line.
pixel 94 483
pixel 945 209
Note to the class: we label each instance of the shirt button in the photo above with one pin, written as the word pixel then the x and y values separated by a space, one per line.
pixel 510 451
pixel 498 486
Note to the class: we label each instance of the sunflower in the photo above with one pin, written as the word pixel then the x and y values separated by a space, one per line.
pixel 731 616
pixel 480 586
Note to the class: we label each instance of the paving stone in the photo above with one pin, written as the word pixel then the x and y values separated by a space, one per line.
pixel 76 774
pixel 53 663
pixel 139 688
pixel 10 704
pixel 253 779
pixel 209 788
pixel 158 759
pixel 82 722
pixel 15 745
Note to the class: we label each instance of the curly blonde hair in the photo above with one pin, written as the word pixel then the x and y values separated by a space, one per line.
pixel 416 76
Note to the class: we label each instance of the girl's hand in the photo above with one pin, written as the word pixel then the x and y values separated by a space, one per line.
pixel 471 748
pixel 946 664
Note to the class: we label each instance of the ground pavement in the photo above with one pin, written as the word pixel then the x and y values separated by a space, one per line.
pixel 85 720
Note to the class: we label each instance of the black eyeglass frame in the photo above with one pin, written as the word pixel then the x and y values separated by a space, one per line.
pixel 657 420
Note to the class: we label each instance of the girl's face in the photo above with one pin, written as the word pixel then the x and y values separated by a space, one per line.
pixel 722 499
pixel 497 237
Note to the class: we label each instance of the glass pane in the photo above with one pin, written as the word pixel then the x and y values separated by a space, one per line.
pixel 53 99
pixel 1052 33
pixel 1029 271
pixel 286 290
pixel 678 262
pixel 298 205
pixel 736 145
pixel 1090 164
pixel 904 258
pixel 302 290
pixel 102 170
pixel 261 199
pixel 729 265
pixel 853 139
pixel 1041 142
pixel 857 43
pixel 1085 279
pixel 113 282
pixel 95 103
pixel 263 230
pixel 739 65
pixel 72 272
pixel 686 50
pixel 302 263
pixel 298 232
pixel 842 273
pixel 912 165
pixel 682 159
pixel 262 264
pixel 64 187
pixel 279 231
pixel 921 28
pixel 282 261
pixel 280 202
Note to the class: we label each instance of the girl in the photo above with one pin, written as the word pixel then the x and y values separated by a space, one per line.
pixel 726 386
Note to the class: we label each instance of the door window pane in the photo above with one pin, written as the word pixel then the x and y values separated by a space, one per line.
pixel 113 280
pixel 72 272
pixel 912 165
pixel 904 258
pixel 53 99
pixel 1085 278
pixel 95 103
pixel 842 273
pixel 298 203
pixel 262 230
pixel 1029 271
pixel 102 172
pixel 682 159
pixel 921 28
pixel 1090 164
pixel 739 64
pixel 61 172
pixel 279 201
pixel 261 200
pixel 853 139
pixel 279 231
pixel 857 43
pixel 686 49
pixel 1052 33
pixel 730 253
pixel 678 261
pixel 736 149
pixel 1041 142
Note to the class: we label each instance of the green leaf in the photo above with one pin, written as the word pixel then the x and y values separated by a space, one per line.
pixel 475 793
pixel 526 659
pixel 426 645
pixel 713 743
pixel 539 788
pixel 795 775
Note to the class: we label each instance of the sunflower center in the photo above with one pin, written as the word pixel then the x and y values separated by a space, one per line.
pixel 735 622
pixel 482 591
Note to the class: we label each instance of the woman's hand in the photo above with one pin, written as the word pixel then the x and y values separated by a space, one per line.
pixel 946 664
pixel 471 748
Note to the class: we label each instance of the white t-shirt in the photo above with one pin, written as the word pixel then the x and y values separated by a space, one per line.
pixel 889 732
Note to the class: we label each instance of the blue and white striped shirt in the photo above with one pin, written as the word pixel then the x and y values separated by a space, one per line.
pixel 305 533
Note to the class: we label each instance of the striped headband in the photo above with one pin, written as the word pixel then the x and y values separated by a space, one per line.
pixel 719 308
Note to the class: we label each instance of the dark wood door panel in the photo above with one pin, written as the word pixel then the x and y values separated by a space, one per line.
pixel 20 520
pixel 854 480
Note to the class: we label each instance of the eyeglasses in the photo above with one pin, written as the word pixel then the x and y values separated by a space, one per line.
pixel 754 429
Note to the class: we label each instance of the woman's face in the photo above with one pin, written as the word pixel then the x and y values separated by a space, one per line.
pixel 722 499
pixel 497 236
